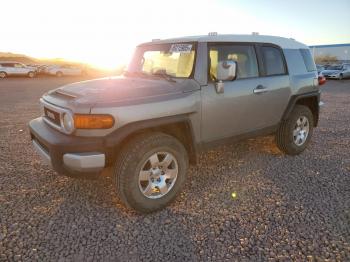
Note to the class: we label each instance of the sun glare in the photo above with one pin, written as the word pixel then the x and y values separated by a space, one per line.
pixel 104 33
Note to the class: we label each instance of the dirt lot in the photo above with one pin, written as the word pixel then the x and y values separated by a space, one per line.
pixel 286 207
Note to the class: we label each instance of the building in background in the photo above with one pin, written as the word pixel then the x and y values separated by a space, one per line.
pixel 331 53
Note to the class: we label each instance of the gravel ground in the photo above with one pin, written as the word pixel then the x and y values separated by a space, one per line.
pixel 286 208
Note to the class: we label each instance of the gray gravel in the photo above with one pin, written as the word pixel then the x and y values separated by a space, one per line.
pixel 286 207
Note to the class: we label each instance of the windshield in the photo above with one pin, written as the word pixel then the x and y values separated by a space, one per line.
pixel 173 60
pixel 335 68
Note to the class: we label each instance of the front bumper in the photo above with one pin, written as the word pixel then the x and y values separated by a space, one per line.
pixel 67 154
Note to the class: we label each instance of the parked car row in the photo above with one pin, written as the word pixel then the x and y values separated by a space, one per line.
pixel 340 72
pixel 8 68
pixel 11 68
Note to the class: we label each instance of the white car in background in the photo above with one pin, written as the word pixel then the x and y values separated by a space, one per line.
pixel 65 70
pixel 10 68
pixel 337 72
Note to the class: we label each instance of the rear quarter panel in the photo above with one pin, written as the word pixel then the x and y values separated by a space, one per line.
pixel 301 81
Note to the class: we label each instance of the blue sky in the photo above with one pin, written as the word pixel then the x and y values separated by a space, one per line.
pixel 309 21
pixel 105 32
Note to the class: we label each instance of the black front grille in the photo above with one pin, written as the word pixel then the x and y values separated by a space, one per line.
pixel 52 116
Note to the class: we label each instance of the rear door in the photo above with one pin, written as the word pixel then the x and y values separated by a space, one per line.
pixel 9 68
pixel 20 69
pixel 254 101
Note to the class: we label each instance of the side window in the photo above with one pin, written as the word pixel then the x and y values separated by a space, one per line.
pixel 308 60
pixel 244 55
pixel 273 61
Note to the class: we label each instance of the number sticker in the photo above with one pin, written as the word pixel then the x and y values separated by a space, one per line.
pixel 180 48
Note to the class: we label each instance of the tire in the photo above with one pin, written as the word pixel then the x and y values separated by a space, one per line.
pixel 3 74
pixel 135 156
pixel 31 74
pixel 59 74
pixel 341 77
pixel 292 144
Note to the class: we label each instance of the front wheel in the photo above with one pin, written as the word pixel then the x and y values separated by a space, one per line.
pixel 341 77
pixel 150 171
pixel 294 134
pixel 3 74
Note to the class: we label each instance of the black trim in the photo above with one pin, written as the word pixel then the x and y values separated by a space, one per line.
pixel 295 98
pixel 117 137
pixel 57 144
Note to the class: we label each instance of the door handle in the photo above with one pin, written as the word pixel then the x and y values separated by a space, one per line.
pixel 260 89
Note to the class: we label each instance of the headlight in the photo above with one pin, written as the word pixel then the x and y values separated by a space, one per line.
pixel 68 122
pixel 99 121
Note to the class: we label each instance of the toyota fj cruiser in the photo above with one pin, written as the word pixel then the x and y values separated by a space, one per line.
pixel 176 98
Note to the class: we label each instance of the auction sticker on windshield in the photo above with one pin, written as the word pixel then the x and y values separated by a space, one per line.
pixel 180 48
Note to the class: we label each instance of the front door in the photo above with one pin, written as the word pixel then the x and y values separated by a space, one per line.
pixel 249 103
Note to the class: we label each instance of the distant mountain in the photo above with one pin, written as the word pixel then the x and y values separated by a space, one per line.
pixel 7 56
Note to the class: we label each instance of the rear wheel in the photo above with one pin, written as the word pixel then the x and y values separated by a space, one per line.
pixel 294 134
pixel 59 74
pixel 150 171
pixel 31 74
pixel 3 74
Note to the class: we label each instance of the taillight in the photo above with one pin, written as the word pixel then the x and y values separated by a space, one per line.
pixel 321 80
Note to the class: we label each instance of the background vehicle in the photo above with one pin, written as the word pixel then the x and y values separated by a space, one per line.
pixel 65 70
pixel 9 68
pixel 320 68
pixel 337 72
pixel 178 97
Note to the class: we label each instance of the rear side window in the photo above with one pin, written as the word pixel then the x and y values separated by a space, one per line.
pixel 7 65
pixel 273 61
pixel 308 60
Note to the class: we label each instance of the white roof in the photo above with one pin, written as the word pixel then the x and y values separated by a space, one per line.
pixel 286 43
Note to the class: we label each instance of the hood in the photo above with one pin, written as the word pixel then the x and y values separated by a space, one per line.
pixel 120 90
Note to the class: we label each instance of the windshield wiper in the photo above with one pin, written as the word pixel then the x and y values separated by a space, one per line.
pixel 163 74
pixel 135 73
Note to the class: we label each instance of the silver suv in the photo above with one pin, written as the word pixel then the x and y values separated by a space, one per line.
pixel 16 69
pixel 179 97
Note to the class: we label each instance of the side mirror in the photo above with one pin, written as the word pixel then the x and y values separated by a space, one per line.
pixel 226 71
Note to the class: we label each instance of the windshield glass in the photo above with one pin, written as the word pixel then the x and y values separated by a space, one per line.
pixel 335 68
pixel 173 59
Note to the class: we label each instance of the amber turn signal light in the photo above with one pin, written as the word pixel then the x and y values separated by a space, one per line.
pixel 93 121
